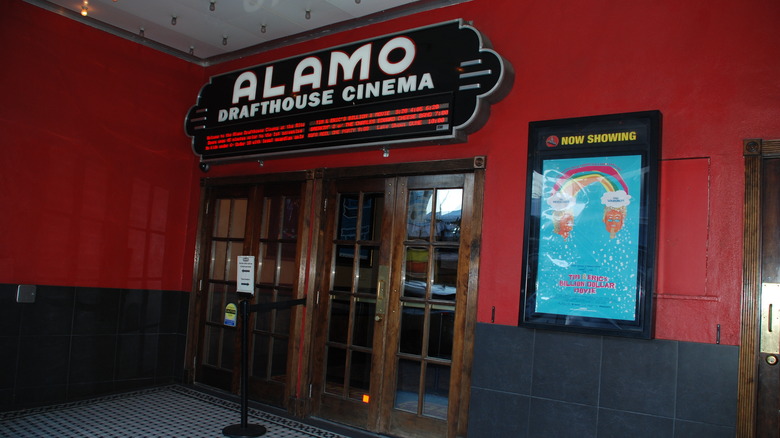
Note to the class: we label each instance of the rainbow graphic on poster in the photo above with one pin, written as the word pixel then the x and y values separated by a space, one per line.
pixel 567 186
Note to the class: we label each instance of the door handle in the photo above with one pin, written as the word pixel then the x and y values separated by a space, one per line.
pixel 381 292
pixel 770 318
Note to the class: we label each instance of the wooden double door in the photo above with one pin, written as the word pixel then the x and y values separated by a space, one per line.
pixel 388 267
pixel 262 220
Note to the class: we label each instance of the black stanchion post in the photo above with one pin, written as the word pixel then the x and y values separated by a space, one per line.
pixel 244 430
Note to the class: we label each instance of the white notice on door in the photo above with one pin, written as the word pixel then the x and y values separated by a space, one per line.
pixel 246 274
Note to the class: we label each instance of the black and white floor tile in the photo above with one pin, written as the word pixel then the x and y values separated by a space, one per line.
pixel 170 411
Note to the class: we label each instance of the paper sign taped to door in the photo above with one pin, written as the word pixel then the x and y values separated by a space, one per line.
pixel 230 315
pixel 246 274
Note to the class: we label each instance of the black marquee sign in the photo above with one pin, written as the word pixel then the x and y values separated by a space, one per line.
pixel 428 85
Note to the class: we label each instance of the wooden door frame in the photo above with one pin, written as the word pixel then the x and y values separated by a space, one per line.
pixel 208 186
pixel 476 165
pixel 299 399
pixel 465 319
pixel 299 359
pixel 318 336
pixel 754 151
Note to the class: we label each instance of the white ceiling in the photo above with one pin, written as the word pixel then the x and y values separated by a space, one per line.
pixel 235 27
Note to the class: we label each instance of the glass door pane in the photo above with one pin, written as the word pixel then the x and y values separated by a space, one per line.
pixel 249 219
pixel 226 242
pixel 276 271
pixel 356 254
pixel 352 298
pixel 427 326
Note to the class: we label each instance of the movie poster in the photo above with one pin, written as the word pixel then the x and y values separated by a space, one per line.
pixel 589 236
pixel 590 224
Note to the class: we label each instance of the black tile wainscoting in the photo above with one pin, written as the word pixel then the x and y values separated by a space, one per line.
pixel 75 342
pixel 537 383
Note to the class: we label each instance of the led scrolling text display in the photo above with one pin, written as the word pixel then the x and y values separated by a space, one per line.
pixel 359 123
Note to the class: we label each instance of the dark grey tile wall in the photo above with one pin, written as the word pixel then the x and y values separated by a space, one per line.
pixel 537 383
pixel 76 342
pixel 639 376
pixel 500 414
pixel 566 367
pixel 703 383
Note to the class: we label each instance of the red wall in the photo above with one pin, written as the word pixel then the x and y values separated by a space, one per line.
pixel 99 162
pixel 96 174
pixel 709 68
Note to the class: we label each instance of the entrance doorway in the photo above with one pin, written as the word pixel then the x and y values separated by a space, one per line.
pixel 262 219
pixel 759 378
pixel 385 341
pixel 394 302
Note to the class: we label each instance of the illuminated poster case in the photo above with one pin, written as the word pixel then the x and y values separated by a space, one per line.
pixel 590 226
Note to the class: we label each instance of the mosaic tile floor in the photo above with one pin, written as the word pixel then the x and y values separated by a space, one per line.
pixel 170 411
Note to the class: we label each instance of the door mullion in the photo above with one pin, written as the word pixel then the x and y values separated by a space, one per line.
pixel 308 248
pixel 253 211
pixel 465 321
pixel 385 324
pixel 389 363
pixel 320 321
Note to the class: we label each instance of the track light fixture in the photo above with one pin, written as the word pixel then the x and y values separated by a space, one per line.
pixel 212 5
pixel 308 14
pixel 84 10
pixel 262 28
pixel 141 31
pixel 192 50
pixel 173 20
pixel 224 40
